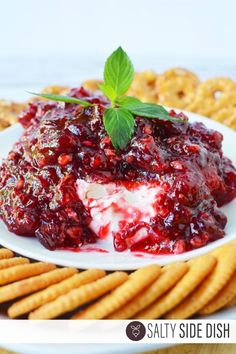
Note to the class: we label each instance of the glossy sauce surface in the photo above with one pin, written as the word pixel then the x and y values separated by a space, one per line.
pixel 66 143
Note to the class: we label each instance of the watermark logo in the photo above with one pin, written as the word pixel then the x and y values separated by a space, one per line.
pixel 135 331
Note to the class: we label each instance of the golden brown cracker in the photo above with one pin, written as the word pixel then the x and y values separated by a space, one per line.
pixel 56 90
pixel 169 276
pixel 214 88
pixel 9 112
pixel 227 99
pixel 10 262
pixel 211 286
pixel 80 296
pixel 40 298
pixel 208 98
pixel 221 300
pixel 22 271
pixel 232 302
pixel 5 253
pixel 29 285
pixel 199 268
pixel 3 124
pixel 176 87
pixel 201 105
pixel 92 85
pixel 138 281
pixel 226 116
pixel 144 86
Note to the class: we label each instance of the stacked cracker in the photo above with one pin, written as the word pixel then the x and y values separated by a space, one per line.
pixel 179 290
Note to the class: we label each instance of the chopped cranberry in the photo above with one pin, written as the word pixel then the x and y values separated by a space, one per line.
pixel 64 159
pixel 66 142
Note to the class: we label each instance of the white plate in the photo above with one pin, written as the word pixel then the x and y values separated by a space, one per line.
pixel 30 247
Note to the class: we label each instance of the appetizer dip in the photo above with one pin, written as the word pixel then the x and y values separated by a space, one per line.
pixel 65 183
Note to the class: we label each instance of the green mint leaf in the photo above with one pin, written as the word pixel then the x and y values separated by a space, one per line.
pixel 119 72
pixel 119 125
pixel 108 91
pixel 61 98
pixel 124 101
pixel 149 110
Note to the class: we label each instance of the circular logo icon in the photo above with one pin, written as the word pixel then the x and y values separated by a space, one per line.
pixel 135 330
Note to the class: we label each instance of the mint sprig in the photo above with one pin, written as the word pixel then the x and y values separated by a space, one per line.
pixel 118 72
pixel 119 119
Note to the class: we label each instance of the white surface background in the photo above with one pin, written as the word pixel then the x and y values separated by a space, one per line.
pixel 65 41
pixel 200 28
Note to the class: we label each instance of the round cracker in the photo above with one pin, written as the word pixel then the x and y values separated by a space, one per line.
pixel 169 276
pixel 227 116
pixel 222 298
pixel 199 268
pixel 29 285
pixel 207 99
pixel 137 281
pixel 35 300
pixel 211 286
pixel 144 86
pixel 77 297
pixel 176 87
pixel 214 88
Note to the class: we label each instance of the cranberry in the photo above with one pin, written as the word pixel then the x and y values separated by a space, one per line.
pixel 66 142
pixel 64 159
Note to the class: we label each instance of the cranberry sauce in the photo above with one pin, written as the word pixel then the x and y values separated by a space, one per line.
pixel 66 142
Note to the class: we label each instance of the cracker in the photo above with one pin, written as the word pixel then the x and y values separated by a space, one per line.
pixel 10 262
pixel 232 302
pixel 9 112
pixel 175 73
pixel 144 86
pixel 78 297
pixel 55 90
pixel 176 87
pixel 226 116
pixel 92 85
pixel 137 282
pixel 199 268
pixel 214 88
pixel 211 286
pixel 40 298
pixel 207 99
pixel 227 99
pixel 222 298
pixel 29 285
pixel 22 271
pixel 201 105
pixel 5 253
pixel 169 276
